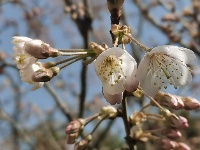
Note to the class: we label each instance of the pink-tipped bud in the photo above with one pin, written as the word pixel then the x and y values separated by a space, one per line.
pixel 174 121
pixel 45 75
pixel 167 144
pixel 183 146
pixel 190 103
pixel 39 49
pixel 74 126
pixel 73 130
pixel 184 122
pixel 172 133
pixel 83 144
pixel 169 100
pixel 137 118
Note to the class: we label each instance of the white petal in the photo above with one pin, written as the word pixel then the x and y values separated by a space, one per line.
pixel 180 74
pixel 143 68
pixel 128 64
pixel 19 39
pixel 115 89
pixel 113 99
pixel 19 48
pixel 183 54
pixel 131 82
pixel 112 51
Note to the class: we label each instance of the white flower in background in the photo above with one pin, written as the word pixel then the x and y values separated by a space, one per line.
pixel 164 64
pixel 22 59
pixel 116 68
pixel 27 73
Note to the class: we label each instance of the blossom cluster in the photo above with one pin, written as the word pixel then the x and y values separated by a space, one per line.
pixel 119 73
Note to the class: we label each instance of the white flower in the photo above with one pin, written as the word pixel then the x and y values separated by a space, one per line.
pixel 22 59
pixel 164 64
pixel 27 73
pixel 116 68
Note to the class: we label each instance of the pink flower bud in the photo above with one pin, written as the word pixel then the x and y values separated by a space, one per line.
pixel 190 103
pixel 74 126
pixel 39 49
pixel 167 144
pixel 183 146
pixel 172 133
pixel 184 122
pixel 174 121
pixel 169 100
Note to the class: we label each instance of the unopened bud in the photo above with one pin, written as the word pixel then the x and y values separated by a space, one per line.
pixel 39 49
pixel 98 49
pixel 137 118
pixel 83 144
pixel 109 111
pixel 190 103
pixel 168 100
pixel 174 121
pixel 172 133
pixel 45 75
pixel 74 126
pixel 167 144
pixel 183 146
pixel 184 122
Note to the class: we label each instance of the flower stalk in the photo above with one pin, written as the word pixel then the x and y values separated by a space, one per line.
pixel 146 49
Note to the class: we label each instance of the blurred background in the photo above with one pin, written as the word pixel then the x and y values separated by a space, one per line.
pixel 32 120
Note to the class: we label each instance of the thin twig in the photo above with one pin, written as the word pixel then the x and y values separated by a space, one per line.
pixel 58 101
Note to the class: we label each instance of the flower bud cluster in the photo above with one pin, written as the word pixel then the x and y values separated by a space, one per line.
pixel 177 102
pixel 73 130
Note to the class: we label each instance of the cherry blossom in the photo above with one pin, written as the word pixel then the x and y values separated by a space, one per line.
pixel 116 68
pixel 164 64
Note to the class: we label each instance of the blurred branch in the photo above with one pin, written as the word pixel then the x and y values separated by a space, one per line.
pixel 21 131
pixel 83 22
pixel 162 28
pixel 59 102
